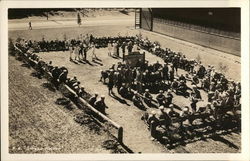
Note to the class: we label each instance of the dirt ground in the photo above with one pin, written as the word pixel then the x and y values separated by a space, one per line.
pixel 136 135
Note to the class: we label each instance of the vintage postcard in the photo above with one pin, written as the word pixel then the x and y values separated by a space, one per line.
pixel 116 80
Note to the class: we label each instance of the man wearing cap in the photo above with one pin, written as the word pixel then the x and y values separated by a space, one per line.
pixel 111 81
pixel 123 91
pixel 169 98
pixel 100 104
pixel 195 96
pixel 109 48
pixel 171 111
pixel 137 100
pixel 165 72
pixel 185 116
pixel 130 47
pixel 152 122
pixel 161 98
pixel 104 76
pixel 205 83
pixel 164 118
pixel 182 88
pixel 147 98
pixel 81 91
pixel 63 76
pixel 174 85
pixel 195 80
pixel 114 48
pixel 93 99
pixel 123 46
pixel 171 73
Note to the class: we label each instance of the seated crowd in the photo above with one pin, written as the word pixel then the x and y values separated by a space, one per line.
pixel 138 83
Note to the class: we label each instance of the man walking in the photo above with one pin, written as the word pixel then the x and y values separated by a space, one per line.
pixel 30 27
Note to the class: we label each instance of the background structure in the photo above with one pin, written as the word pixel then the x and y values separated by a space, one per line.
pixel 217 28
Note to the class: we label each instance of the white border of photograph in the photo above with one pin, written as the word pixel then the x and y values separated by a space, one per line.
pixel 243 4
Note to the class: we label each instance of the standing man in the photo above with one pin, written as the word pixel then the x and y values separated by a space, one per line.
pixel 85 49
pixel 30 26
pixel 76 52
pixel 93 51
pixel 111 81
pixel 114 49
pixel 109 48
pixel 123 46
pixel 195 97
pixel 81 48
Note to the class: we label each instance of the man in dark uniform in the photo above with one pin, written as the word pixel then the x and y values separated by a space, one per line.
pixel 85 49
pixel 104 76
pixel 30 26
pixel 130 47
pixel 93 99
pixel 148 98
pixel 195 97
pixel 165 72
pixel 161 98
pixel 137 100
pixel 123 91
pixel 171 112
pixel 123 46
pixel 153 122
pixel 169 98
pixel 100 105
pixel 195 79
pixel 111 81
pixel 164 118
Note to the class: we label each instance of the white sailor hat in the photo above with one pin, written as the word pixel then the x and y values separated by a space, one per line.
pixel 161 107
pixel 186 109
pixel 153 112
pixel 194 86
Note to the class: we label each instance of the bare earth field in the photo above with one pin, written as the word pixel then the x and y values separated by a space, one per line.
pixel 136 135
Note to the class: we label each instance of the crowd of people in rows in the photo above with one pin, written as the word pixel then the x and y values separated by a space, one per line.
pixel 141 81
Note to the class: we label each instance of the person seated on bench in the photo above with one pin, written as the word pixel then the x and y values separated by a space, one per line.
pixel 161 98
pixel 137 100
pixel 100 105
pixel 182 88
pixel 171 112
pixel 153 122
pixel 164 119
pixel 169 98
pixel 93 99
pixel 147 97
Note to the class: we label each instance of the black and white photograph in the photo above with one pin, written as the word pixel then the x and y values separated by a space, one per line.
pixel 125 80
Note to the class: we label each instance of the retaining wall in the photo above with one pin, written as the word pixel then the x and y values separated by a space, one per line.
pixel 226 44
